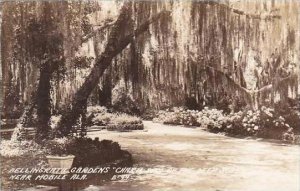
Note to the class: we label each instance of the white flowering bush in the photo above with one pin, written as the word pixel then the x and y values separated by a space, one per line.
pixel 96 109
pixel 125 119
pixel 264 123
pixel 212 118
pixel 14 148
pixel 54 121
pixel 100 116
pixel 125 122
pixel 245 123
pixel 58 146
pixel 177 116
pixel 274 125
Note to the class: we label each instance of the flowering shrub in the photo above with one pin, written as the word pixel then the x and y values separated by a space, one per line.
pixel 100 116
pixel 126 119
pixel 264 123
pixel 54 121
pixel 212 118
pixel 14 148
pixel 102 119
pixel 96 109
pixel 125 122
pixel 292 116
pixel 58 147
pixel 177 116
pixel 125 127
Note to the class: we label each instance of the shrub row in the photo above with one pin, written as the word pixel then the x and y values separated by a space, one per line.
pixel 100 116
pixel 264 123
pixel 125 127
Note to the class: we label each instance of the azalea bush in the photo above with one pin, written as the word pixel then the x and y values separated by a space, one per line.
pixel 54 121
pixel 97 115
pixel 177 116
pixel 100 116
pixel 15 148
pixel 96 110
pixel 102 119
pixel 126 119
pixel 292 116
pixel 264 123
pixel 211 118
pixel 58 147
pixel 125 122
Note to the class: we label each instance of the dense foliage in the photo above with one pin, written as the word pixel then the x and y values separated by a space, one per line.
pixel 89 152
pixel 264 123
pixel 100 116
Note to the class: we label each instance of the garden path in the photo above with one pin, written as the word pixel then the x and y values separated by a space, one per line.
pixel 186 159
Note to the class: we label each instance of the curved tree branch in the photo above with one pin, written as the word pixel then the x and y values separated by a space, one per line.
pixel 117 41
pixel 222 77
pixel 100 29
pixel 277 83
pixel 249 95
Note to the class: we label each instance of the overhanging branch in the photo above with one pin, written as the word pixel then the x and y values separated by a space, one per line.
pixel 116 43
pixel 93 33
pixel 236 11
pixel 268 17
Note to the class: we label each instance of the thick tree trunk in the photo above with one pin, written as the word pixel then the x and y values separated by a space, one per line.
pixel 116 43
pixel 105 94
pixel 44 102
pixel 51 48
